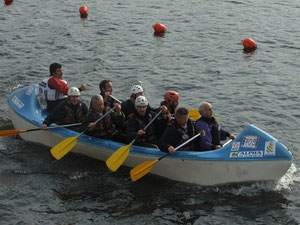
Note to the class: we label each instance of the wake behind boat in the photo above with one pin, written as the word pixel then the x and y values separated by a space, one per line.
pixel 253 156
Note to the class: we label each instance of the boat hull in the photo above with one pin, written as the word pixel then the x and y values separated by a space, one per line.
pixel 226 165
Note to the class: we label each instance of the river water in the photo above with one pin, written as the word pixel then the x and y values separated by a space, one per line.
pixel 200 56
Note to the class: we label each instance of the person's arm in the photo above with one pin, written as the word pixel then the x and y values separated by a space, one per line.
pixel 58 113
pixel 168 139
pixel 205 141
pixel 58 85
pixel 132 129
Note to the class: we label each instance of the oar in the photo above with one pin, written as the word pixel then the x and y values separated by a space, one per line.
pixel 5 133
pixel 119 156
pixel 144 168
pixel 116 99
pixel 195 115
pixel 62 148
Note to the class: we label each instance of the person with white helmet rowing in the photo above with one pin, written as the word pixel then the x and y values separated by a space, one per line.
pixel 140 119
pixel 128 106
pixel 70 111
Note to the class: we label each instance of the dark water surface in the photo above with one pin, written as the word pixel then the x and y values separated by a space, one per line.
pixel 200 56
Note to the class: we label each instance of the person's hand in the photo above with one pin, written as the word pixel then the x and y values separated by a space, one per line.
pixel 218 146
pixel 202 133
pixel 117 107
pixel 171 149
pixel 141 132
pixel 83 87
pixel 164 109
pixel 232 136
pixel 91 126
pixel 44 127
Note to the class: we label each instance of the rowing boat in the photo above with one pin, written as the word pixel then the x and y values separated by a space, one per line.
pixel 253 156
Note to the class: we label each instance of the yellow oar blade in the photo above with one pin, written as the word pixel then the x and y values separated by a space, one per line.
pixel 194 114
pixel 62 148
pixel 141 170
pixel 118 157
pixel 6 133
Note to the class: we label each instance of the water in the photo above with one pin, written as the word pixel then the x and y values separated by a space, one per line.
pixel 200 56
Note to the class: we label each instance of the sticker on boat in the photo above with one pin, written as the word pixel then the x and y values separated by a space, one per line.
pixel 29 91
pixel 17 102
pixel 270 148
pixel 235 146
pixel 250 141
pixel 247 154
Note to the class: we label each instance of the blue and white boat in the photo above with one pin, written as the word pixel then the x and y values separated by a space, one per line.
pixel 253 156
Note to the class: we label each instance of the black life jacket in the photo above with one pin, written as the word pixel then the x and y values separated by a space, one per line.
pixel 105 126
pixel 184 134
pixel 72 117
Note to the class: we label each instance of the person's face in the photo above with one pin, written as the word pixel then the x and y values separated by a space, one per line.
pixel 98 106
pixel 141 110
pixel 208 112
pixel 58 73
pixel 74 100
pixel 108 87
pixel 175 103
pixel 182 120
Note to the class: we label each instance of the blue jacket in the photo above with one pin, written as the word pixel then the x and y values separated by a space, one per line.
pixel 212 137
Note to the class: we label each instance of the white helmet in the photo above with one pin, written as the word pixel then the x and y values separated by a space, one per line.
pixel 73 91
pixel 136 89
pixel 141 101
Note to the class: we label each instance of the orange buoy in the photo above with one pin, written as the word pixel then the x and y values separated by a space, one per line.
pixel 248 43
pixel 83 10
pixel 159 28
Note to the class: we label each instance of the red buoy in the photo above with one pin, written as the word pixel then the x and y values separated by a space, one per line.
pixel 8 2
pixel 159 28
pixel 83 10
pixel 248 43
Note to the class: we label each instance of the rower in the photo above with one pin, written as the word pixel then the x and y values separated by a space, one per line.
pixel 140 119
pixel 179 131
pixel 71 110
pixel 106 89
pixel 214 132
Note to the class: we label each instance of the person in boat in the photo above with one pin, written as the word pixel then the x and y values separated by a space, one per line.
pixel 71 110
pixel 171 101
pixel 54 88
pixel 140 119
pixel 108 127
pixel 180 130
pixel 128 107
pixel 214 132
pixel 106 89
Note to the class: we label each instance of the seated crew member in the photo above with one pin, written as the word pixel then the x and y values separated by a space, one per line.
pixel 128 107
pixel 214 132
pixel 140 119
pixel 70 111
pixel 106 89
pixel 53 88
pixel 106 128
pixel 179 131
pixel 171 101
